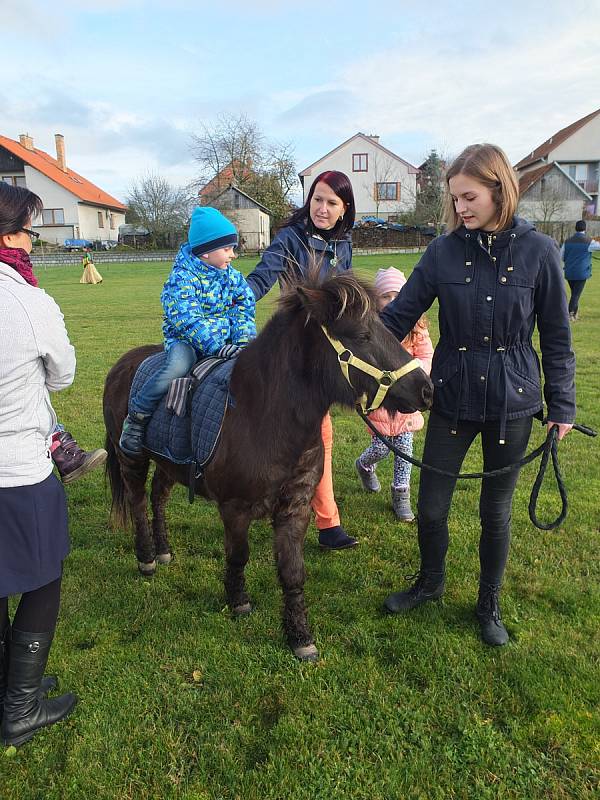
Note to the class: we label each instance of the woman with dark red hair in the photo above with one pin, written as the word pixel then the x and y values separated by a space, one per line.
pixel 315 237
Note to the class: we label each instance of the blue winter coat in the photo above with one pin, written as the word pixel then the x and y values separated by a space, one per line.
pixel 205 306
pixel 293 252
pixel 485 366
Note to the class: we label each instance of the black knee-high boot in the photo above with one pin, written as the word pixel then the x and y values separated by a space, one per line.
pixel 48 683
pixel 25 712
pixel 3 665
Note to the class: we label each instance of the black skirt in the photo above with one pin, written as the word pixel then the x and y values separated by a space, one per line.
pixel 34 535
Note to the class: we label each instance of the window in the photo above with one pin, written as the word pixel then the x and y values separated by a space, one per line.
pixel 100 220
pixel 388 191
pixel 53 216
pixel 572 170
pixel 15 180
pixel 112 222
pixel 360 162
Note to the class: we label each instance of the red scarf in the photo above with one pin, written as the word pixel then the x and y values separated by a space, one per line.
pixel 18 259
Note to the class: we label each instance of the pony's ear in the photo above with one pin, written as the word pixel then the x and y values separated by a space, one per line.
pixel 314 302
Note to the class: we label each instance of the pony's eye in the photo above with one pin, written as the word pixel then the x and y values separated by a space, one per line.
pixel 364 336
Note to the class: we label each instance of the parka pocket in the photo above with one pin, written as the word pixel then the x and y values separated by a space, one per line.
pixel 523 391
pixel 445 379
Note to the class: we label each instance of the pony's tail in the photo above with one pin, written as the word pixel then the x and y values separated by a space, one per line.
pixel 120 512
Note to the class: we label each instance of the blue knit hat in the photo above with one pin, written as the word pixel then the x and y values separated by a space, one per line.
pixel 210 230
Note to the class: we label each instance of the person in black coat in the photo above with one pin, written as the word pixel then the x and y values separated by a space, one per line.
pixel 495 277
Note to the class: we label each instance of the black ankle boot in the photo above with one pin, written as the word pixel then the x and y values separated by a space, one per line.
pixel 132 436
pixel 428 586
pixel 24 711
pixel 492 628
pixel 48 681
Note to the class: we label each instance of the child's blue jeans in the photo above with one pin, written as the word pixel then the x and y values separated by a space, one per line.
pixel 181 357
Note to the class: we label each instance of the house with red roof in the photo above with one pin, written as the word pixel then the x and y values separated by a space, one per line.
pixel 384 184
pixel 576 149
pixel 74 207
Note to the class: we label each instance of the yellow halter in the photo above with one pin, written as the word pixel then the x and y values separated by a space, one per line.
pixel 385 378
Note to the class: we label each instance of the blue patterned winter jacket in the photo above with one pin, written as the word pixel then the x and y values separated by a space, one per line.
pixel 205 306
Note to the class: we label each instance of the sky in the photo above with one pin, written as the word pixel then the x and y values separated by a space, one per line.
pixel 127 82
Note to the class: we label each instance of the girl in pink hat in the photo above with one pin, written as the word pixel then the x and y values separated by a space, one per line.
pixel 398 427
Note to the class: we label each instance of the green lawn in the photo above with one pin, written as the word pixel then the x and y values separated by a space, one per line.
pixel 177 700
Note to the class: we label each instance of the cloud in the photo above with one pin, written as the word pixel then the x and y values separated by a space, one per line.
pixel 323 107
pixel 512 90
pixel 52 105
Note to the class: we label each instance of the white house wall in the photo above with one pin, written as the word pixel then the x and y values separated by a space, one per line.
pixel 583 145
pixel 81 221
pixel 253 225
pixel 381 169
pixel 53 196
pixel 88 223
pixel 536 211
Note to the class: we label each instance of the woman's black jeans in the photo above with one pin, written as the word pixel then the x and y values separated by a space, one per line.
pixel 447 451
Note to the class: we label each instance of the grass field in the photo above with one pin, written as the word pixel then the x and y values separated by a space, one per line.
pixel 177 700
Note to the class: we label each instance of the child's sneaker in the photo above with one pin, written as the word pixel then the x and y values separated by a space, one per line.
pixel 368 477
pixel 401 503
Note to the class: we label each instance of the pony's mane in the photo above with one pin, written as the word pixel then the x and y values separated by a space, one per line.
pixel 342 294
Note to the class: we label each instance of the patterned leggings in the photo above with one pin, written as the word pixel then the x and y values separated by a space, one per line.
pixel 378 450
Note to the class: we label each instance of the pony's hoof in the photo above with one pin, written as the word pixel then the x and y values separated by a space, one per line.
pixel 164 558
pixel 306 653
pixel 242 611
pixel 147 569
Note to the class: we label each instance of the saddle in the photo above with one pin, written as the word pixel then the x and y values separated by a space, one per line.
pixel 186 426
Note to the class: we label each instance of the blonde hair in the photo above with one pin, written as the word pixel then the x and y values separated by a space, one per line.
pixel 420 329
pixel 489 165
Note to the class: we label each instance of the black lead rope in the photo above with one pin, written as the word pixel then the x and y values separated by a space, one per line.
pixel 547 448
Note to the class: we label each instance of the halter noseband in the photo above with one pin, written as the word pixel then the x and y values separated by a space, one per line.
pixel 384 378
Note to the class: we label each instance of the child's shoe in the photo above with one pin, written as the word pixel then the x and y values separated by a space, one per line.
pixel 401 503
pixel 368 477
pixel 70 460
pixel 132 437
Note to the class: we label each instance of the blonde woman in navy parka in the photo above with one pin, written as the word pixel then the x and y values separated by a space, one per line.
pixel 495 278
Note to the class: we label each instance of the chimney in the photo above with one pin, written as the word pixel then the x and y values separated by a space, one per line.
pixel 60 151
pixel 26 141
pixel 374 136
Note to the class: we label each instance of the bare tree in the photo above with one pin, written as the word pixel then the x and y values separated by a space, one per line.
pixel 281 164
pixel 160 207
pixel 235 142
pixel 235 151
pixel 547 209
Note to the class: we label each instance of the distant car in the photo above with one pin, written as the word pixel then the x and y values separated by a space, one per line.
pixel 107 244
pixel 77 244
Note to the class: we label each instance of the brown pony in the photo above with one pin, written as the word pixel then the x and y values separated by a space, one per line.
pixel 270 457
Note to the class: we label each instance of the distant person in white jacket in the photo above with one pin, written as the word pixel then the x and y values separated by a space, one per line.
pixel 36 358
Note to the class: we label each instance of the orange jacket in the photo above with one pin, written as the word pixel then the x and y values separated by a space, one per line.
pixel 393 423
